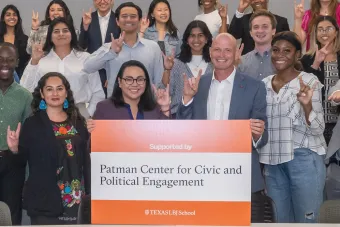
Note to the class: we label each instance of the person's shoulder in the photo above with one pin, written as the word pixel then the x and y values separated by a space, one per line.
pixel 23 92
pixel 105 104
pixel 278 17
pixel 308 77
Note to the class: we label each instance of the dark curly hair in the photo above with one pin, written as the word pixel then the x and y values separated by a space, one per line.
pixel 186 55
pixel 72 111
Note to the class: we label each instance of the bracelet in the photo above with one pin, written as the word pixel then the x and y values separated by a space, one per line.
pixel 141 32
pixel 165 69
pixel 34 29
pixel 165 110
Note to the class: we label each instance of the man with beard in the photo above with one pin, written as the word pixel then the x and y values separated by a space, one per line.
pixel 15 107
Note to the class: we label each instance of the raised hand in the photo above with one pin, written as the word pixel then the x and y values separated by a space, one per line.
pixel 306 92
pixel 87 19
pixel 320 55
pixel 299 9
pixel 190 86
pixel 144 24
pixel 35 20
pixel 37 53
pixel 243 5
pixel 169 61
pixel 13 138
pixel 335 97
pixel 117 44
pixel 91 125
pixel 162 97
pixel 257 128
pixel 238 54
pixel 223 11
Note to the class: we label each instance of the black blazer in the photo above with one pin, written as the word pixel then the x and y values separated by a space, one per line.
pixel 307 62
pixel 20 43
pixel 38 145
pixel 239 28
pixel 92 39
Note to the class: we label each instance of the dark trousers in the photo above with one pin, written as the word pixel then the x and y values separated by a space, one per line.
pixel 103 79
pixel 43 220
pixel 12 177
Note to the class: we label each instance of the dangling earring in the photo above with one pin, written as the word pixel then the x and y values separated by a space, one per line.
pixel 42 105
pixel 65 104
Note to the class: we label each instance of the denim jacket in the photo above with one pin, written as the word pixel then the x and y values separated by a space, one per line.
pixel 170 42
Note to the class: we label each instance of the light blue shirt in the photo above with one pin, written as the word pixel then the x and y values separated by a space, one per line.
pixel 171 43
pixel 145 51
pixel 16 77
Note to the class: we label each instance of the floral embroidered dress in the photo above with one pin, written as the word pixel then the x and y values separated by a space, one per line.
pixel 68 176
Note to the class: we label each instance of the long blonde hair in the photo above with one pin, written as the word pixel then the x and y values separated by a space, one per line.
pixel 315 44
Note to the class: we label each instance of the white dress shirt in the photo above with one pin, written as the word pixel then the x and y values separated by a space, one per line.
pixel 219 97
pixel 104 23
pixel 86 88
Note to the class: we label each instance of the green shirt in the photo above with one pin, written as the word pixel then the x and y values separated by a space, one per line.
pixel 15 107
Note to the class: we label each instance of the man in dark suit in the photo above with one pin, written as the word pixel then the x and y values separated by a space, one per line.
pixel 96 29
pixel 228 95
pixel 239 26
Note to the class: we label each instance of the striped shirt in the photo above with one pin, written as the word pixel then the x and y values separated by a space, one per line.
pixel 287 126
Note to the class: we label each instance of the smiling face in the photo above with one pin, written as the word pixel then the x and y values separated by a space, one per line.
pixel 128 19
pixel 54 92
pixel 161 13
pixel 262 30
pixel 325 32
pixel 259 4
pixel 222 52
pixel 56 11
pixel 132 83
pixel 208 4
pixel 61 35
pixel 284 55
pixel 196 41
pixel 11 18
pixel 103 5
pixel 8 62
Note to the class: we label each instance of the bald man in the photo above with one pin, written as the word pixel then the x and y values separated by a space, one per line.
pixel 228 95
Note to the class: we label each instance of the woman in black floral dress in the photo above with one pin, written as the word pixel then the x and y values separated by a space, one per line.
pixel 54 141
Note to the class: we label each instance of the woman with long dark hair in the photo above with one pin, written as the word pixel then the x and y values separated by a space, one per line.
pixel 293 158
pixel 133 97
pixel 55 9
pixel 54 142
pixel 62 54
pixel 158 26
pixel 193 59
pixel 11 31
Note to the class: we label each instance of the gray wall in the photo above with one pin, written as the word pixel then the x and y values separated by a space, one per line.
pixel 183 10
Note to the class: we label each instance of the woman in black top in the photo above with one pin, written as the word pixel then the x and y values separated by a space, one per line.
pixel 11 32
pixel 54 142
pixel 323 60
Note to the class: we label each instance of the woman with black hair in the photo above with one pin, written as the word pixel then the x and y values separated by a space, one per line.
pixel 193 59
pixel 62 54
pixel 293 158
pixel 133 98
pixel 55 9
pixel 214 15
pixel 54 142
pixel 158 26
pixel 11 32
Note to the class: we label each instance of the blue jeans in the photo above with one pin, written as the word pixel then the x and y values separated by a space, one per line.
pixel 296 187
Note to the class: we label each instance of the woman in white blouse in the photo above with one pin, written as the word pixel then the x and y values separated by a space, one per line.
pixel 61 54
pixel 293 158
pixel 214 15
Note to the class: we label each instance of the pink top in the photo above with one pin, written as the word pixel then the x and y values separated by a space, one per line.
pixel 307 17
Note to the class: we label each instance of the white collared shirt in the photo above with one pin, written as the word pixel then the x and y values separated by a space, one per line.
pixel 220 97
pixel 104 23
pixel 86 88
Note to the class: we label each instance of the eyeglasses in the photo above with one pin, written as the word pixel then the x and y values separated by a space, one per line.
pixel 130 80
pixel 102 0
pixel 327 30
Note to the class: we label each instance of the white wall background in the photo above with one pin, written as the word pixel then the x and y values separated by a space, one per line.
pixel 183 10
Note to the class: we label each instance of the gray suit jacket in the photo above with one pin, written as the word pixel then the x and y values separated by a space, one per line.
pixel 334 143
pixel 248 100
